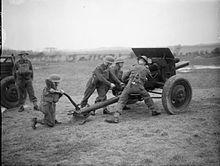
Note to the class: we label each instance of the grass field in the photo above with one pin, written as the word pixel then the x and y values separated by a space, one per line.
pixel 190 138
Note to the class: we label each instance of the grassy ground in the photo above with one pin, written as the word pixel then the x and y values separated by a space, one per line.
pixel 190 138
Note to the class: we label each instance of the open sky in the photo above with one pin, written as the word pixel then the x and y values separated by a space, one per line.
pixel 84 24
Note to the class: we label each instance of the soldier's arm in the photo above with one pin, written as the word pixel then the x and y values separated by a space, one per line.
pixel 113 76
pixel 31 69
pixel 98 74
pixel 148 73
pixel 126 75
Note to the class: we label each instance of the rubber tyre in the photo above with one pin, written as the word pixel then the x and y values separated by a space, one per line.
pixel 9 94
pixel 177 94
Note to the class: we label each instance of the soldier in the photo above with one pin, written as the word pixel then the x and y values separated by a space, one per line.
pixel 136 77
pixel 100 81
pixel 116 70
pixel 23 74
pixel 49 98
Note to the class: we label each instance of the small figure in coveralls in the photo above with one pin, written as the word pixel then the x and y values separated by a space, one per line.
pixel 49 98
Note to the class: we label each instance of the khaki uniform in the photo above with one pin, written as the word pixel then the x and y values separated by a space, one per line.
pixel 48 107
pixel 117 72
pixel 136 79
pixel 100 81
pixel 23 73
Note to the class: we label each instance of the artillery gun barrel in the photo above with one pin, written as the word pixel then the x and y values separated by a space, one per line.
pixel 99 105
pixel 181 64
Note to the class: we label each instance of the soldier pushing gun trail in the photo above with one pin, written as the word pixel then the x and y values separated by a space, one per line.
pixel 136 77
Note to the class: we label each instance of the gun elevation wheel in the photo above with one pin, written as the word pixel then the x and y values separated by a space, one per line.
pixel 177 94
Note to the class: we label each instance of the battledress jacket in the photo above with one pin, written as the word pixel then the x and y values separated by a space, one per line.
pixel 48 105
pixel 117 72
pixel 137 73
pixel 23 70
pixel 103 75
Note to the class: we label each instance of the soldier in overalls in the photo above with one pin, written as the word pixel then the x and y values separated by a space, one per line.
pixel 49 98
pixel 137 77
pixel 23 74
pixel 100 81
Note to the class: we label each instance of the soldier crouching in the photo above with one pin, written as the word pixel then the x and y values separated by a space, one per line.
pixel 137 77
pixel 100 81
pixel 49 98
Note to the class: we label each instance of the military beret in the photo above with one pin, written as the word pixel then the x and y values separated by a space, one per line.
pixel 55 78
pixel 109 59
pixel 119 60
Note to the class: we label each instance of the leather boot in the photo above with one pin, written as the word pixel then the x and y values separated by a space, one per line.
pixel 34 122
pixel 113 119
pixel 126 108
pixel 155 113
pixel 106 111
pixel 36 108
pixel 57 122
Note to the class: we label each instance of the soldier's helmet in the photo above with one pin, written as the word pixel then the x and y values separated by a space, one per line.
pixel 55 78
pixel 119 60
pixel 144 58
pixel 109 59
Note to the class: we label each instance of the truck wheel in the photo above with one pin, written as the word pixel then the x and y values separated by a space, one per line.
pixel 9 95
pixel 177 94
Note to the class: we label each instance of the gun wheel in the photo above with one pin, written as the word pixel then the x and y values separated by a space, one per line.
pixel 177 94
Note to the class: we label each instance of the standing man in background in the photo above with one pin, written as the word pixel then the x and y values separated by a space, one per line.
pixel 23 74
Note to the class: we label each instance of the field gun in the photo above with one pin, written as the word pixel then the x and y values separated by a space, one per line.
pixel 174 90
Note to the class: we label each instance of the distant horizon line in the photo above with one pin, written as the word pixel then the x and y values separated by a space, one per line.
pixel 104 47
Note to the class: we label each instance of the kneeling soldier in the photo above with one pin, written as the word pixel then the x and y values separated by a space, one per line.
pixel 49 98
pixel 100 81
pixel 137 77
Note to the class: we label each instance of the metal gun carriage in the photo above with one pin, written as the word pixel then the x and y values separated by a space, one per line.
pixel 174 90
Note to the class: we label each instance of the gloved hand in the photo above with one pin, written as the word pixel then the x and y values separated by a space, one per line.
pixel 112 86
pixel 122 84
pixel 62 91
pixel 52 90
